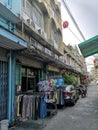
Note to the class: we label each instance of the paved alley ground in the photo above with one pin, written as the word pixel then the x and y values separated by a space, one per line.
pixel 82 116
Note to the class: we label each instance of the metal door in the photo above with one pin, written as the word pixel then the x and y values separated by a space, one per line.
pixel 3 89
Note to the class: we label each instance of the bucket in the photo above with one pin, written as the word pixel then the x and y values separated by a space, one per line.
pixel 4 124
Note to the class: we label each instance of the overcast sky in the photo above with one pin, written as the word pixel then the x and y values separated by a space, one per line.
pixel 85 13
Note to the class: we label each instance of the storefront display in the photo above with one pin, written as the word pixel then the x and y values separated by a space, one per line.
pixel 53 89
pixel 51 84
pixel 35 99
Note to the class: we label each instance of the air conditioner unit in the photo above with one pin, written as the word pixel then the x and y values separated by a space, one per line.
pixel 32 23
pixel 52 54
pixel 60 58
pixel 42 33
pixel 64 61
pixel 47 51
pixel 29 21
pixel 37 27
pixel 40 47
pixel 45 35
pixel 55 44
pixel 56 56
pixel 32 43
pixel 24 16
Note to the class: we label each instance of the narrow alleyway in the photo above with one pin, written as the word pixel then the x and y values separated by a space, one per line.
pixel 83 116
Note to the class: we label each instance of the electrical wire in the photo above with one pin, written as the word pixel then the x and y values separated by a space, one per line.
pixel 74 34
pixel 66 7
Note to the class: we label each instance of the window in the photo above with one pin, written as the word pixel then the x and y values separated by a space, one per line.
pixel 34 13
pixel 37 17
pixel 29 79
pixel 28 8
pixel 54 38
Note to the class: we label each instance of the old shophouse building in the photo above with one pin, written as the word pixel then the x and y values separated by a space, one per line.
pixel 31 48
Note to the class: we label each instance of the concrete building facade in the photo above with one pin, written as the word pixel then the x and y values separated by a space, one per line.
pixel 31 48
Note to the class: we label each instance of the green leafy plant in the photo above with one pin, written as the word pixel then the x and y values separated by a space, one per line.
pixel 70 79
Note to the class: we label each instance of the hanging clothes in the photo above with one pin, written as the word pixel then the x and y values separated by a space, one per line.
pixel 43 108
pixel 19 104
pixel 31 107
pixel 61 97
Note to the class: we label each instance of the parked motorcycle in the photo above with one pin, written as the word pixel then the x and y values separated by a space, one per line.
pixel 83 90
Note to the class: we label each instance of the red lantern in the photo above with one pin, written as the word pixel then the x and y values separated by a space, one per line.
pixel 65 24
pixel 94 61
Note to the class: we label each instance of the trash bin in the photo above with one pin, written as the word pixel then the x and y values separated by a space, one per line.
pixel 4 124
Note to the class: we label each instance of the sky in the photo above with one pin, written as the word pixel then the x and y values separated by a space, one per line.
pixel 85 13
pixel 86 16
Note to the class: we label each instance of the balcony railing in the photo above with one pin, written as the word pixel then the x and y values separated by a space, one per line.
pixel 30 21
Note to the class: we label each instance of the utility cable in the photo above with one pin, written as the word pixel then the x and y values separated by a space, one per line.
pixel 74 34
pixel 70 14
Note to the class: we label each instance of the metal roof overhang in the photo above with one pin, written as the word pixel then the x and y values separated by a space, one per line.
pixel 45 58
pixel 42 57
pixel 89 47
pixel 10 41
pixel 7 12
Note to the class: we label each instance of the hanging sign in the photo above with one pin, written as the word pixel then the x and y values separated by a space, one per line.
pixel 94 61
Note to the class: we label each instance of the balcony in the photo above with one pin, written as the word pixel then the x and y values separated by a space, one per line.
pixel 10 41
pixel 24 16
pixel 37 34
pixel 7 12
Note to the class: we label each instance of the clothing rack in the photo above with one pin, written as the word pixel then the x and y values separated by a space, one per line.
pixel 52 77
pixel 33 93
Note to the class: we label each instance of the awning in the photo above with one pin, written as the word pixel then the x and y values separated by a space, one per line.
pixel 10 41
pixel 89 47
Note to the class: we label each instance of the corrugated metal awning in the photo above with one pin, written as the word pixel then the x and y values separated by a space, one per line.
pixel 89 47
pixel 10 41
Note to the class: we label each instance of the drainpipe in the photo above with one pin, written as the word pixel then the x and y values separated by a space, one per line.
pixel 11 85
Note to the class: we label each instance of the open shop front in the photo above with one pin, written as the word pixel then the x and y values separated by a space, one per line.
pixel 37 97
pixel 29 102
